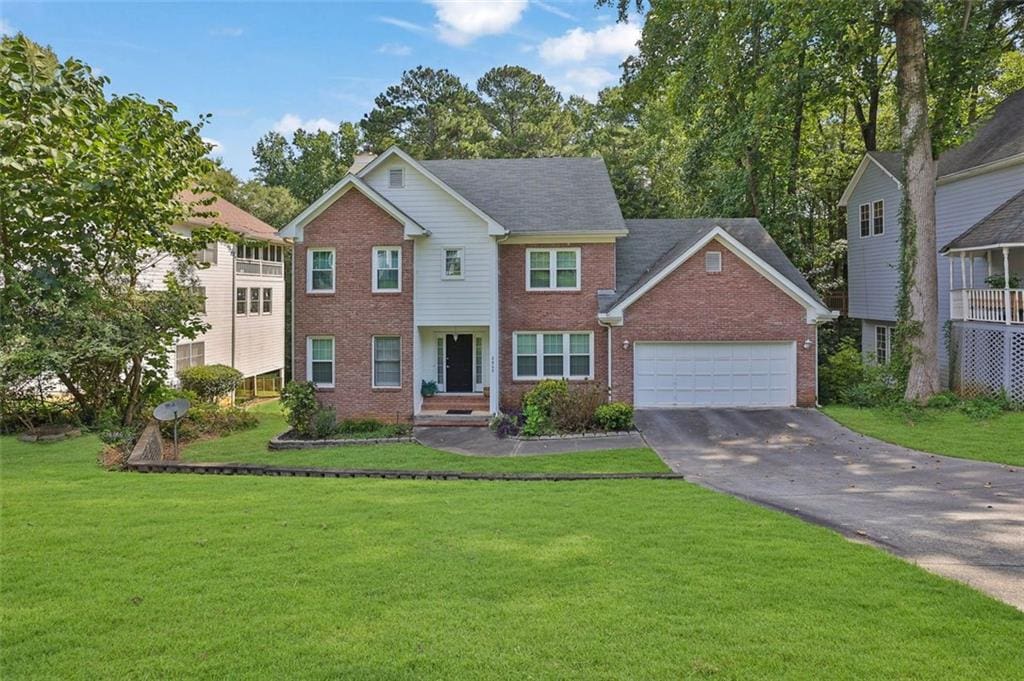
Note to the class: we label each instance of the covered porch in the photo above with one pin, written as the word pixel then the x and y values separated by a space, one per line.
pixel 985 284
pixel 455 371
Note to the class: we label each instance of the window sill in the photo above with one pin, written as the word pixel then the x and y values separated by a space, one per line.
pixel 386 388
pixel 571 379
pixel 553 290
pixel 320 293
pixel 386 292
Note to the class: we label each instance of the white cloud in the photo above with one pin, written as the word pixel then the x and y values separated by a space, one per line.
pixel 395 49
pixel 215 146
pixel 289 123
pixel 402 23
pixel 5 27
pixel 586 81
pixel 227 31
pixel 553 9
pixel 460 22
pixel 617 40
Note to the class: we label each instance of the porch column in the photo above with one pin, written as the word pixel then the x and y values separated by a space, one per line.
pixel 1006 285
pixel 965 298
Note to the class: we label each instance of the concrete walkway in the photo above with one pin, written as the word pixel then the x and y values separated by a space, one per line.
pixel 482 442
pixel 959 518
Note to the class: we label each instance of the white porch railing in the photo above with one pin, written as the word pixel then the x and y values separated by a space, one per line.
pixel 259 267
pixel 997 305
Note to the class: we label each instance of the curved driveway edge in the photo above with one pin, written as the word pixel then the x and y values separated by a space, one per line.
pixel 482 442
pixel 959 518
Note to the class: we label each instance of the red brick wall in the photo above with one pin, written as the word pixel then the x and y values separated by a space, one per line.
pixel 353 314
pixel 737 304
pixel 523 310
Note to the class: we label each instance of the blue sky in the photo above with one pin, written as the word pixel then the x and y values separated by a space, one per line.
pixel 263 66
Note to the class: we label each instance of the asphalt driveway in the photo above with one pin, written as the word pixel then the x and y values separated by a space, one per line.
pixel 958 518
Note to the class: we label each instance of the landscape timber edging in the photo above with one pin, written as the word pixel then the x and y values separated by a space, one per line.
pixel 304 472
pixel 280 442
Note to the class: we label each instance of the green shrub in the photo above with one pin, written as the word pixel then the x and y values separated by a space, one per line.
pixel 208 419
pixel 299 400
pixel 986 406
pixel 428 388
pixel 614 416
pixel 357 426
pixel 210 382
pixel 946 400
pixel 535 422
pixel 543 395
pixel 841 371
pixel 325 423
pixel 573 411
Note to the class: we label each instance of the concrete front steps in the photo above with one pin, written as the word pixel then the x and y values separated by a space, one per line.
pixel 435 410
pixel 440 419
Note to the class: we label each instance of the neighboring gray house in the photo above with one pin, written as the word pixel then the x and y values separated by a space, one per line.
pixel 979 233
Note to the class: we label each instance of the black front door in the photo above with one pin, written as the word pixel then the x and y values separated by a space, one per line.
pixel 458 376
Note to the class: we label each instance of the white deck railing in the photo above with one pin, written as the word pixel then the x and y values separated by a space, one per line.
pixel 259 267
pixel 1001 306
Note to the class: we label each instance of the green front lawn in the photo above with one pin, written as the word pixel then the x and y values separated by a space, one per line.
pixel 251 447
pixel 116 575
pixel 953 433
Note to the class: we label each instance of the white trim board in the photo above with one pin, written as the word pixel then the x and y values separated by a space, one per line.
pixel 294 229
pixel 844 200
pixel 816 312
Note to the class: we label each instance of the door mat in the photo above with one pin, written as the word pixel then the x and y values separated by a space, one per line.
pixel 460 412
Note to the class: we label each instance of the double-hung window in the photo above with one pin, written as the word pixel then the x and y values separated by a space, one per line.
pixel 254 301
pixel 189 355
pixel 241 301
pixel 883 344
pixel 865 219
pixel 199 291
pixel 453 263
pixel 387 268
pixel 208 255
pixel 878 217
pixel 553 269
pixel 320 360
pixel 387 362
pixel 554 355
pixel 320 273
pixel 268 303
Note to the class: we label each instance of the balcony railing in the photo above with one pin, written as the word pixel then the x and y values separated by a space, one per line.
pixel 997 305
pixel 259 268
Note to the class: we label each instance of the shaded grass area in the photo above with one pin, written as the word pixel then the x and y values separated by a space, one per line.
pixel 999 439
pixel 251 447
pixel 113 575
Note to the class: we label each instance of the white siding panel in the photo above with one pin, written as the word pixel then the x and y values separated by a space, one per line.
pixel 873 261
pixel 461 302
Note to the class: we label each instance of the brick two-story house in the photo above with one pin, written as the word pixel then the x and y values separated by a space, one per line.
pixel 486 276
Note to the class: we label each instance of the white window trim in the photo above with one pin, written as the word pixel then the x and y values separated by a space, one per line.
pixel 860 221
pixel 707 262
pixel 259 302
pixel 887 333
pixel 401 172
pixel 540 356
pixel 553 269
pixel 309 360
pixel 875 216
pixel 373 363
pixel 444 263
pixel 246 296
pixel 376 250
pixel 309 271
pixel 264 299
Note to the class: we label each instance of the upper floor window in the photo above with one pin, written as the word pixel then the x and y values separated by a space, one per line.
pixel 254 301
pixel 865 219
pixel 268 300
pixel 878 217
pixel 553 269
pixel 387 267
pixel 189 355
pixel 241 300
pixel 396 178
pixel 320 273
pixel 713 262
pixel 453 263
pixel 208 254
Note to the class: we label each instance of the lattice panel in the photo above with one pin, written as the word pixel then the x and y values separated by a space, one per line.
pixel 991 359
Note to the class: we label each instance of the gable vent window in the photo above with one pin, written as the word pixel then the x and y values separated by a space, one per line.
pixel 713 262
pixel 396 178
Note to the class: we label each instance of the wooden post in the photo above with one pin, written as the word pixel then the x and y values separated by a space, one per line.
pixel 1006 284
pixel 965 300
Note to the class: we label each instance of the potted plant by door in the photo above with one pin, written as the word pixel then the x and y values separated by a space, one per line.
pixel 428 388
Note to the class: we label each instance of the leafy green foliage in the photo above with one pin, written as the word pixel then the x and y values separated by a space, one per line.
pixel 526 114
pixel 205 419
pixel 325 423
pixel 210 382
pixel 845 378
pixel 307 166
pixel 614 416
pixel 999 281
pixel 573 411
pixel 538 405
pixel 428 388
pixel 301 406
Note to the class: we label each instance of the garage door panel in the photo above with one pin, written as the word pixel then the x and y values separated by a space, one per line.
pixel 673 374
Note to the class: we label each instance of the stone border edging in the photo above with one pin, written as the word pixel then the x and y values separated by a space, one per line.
pixel 278 442
pixel 286 471
pixel 575 436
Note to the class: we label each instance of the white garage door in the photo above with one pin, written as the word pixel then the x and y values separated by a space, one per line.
pixel 715 374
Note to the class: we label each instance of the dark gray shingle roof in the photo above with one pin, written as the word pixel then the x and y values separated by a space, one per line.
pixel 536 194
pixel 1000 137
pixel 1004 225
pixel 653 244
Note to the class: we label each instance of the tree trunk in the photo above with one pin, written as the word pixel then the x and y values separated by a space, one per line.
pixel 919 311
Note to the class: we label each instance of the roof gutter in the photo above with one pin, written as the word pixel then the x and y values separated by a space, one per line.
pixel 989 247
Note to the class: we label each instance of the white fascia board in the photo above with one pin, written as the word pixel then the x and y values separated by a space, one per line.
pixel 864 162
pixel 815 310
pixel 493 227
pixel 989 247
pixel 982 169
pixel 294 228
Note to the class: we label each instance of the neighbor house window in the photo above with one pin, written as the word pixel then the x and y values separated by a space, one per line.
pixel 268 305
pixel 883 344
pixel 396 178
pixel 552 269
pixel 254 301
pixel 320 277
pixel 554 355
pixel 189 355
pixel 865 219
pixel 320 361
pixel 453 263
pixel 241 300
pixel 387 361
pixel 878 217
pixel 713 262
pixel 208 254
pixel 201 292
pixel 387 265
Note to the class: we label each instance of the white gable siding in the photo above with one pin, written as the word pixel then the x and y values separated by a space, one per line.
pixel 873 261
pixel 259 339
pixel 462 302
